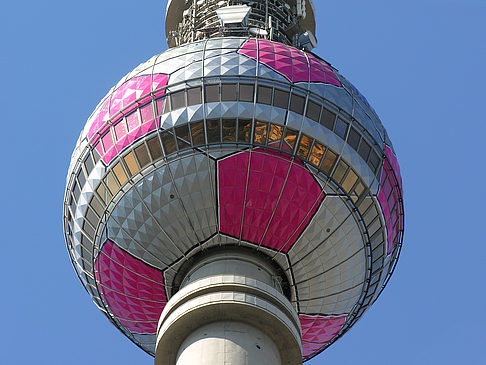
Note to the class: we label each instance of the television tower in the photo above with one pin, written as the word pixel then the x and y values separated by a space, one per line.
pixel 234 200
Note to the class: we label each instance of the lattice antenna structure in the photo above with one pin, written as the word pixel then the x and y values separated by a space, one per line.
pixel 234 199
pixel 290 22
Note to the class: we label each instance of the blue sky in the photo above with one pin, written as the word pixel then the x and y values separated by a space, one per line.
pixel 421 64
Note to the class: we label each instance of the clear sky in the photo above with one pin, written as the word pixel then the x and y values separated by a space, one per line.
pixel 421 64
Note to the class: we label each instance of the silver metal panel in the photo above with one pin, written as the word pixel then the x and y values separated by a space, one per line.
pixel 263 112
pixel 294 120
pixel 278 115
pixel 245 110
pixel 326 263
pixel 229 109
pixel 213 110
pixel 195 112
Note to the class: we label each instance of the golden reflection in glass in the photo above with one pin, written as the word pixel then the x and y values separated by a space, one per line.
pixel 111 183
pixel 155 148
pixel 316 154
pixel 131 163
pixel 275 134
pixel 101 191
pixel 260 132
pixel 229 130
pixel 290 138
pixel 142 155
pixel 304 147
pixel 349 181
pixel 328 162
pixel 168 142
pixel 340 171
pixel 213 130
pixel 244 130
pixel 197 132
pixel 120 173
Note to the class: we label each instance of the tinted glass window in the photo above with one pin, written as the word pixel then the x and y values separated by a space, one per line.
pixel 182 134
pixel 228 92
pixel 341 128
pixel 340 171
pixel 281 99
pixel 131 163
pixel 197 132
pixel 297 104
pixel 142 155
pixel 81 178
pixel 213 130
pixel 168 142
pixel 88 164
pixel 290 138
pixel 264 95
pixel 229 130
pixel 327 119
pixel 155 148
pixel 212 93
pixel 96 205
pixel 364 150
pixel 194 96
pixel 353 139
pixel 275 134
pixel 120 173
pixel 349 181
pixel 374 160
pixel 328 161
pixel 246 92
pixel 260 132
pixel 244 130
pixel 111 183
pixel 177 100
pixel 313 111
pixel 317 153
pixel 304 147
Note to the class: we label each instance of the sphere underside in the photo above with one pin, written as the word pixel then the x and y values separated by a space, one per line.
pixel 237 142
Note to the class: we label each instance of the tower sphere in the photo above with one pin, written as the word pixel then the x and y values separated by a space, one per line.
pixel 234 142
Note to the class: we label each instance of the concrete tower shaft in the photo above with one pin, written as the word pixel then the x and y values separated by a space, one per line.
pixel 230 310
pixel 291 22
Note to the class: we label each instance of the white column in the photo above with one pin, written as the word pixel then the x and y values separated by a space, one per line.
pixel 229 311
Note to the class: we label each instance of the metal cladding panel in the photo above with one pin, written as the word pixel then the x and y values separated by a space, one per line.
pixel 133 290
pixel 168 211
pixel 318 331
pixel 266 198
pixel 328 260
pixel 298 166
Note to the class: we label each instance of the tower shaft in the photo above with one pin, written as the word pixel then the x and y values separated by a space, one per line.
pixel 230 310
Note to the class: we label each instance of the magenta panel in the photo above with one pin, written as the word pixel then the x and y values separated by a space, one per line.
pixel 294 64
pixel 122 99
pixel 317 331
pixel 267 220
pixel 133 290
pixel 389 196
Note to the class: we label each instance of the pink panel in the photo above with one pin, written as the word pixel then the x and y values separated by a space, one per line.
pixel 136 89
pixel 317 331
pixel 394 164
pixel 132 121
pixel 266 171
pixel 132 90
pixel 389 194
pixel 296 65
pixel 133 290
pixel 146 113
